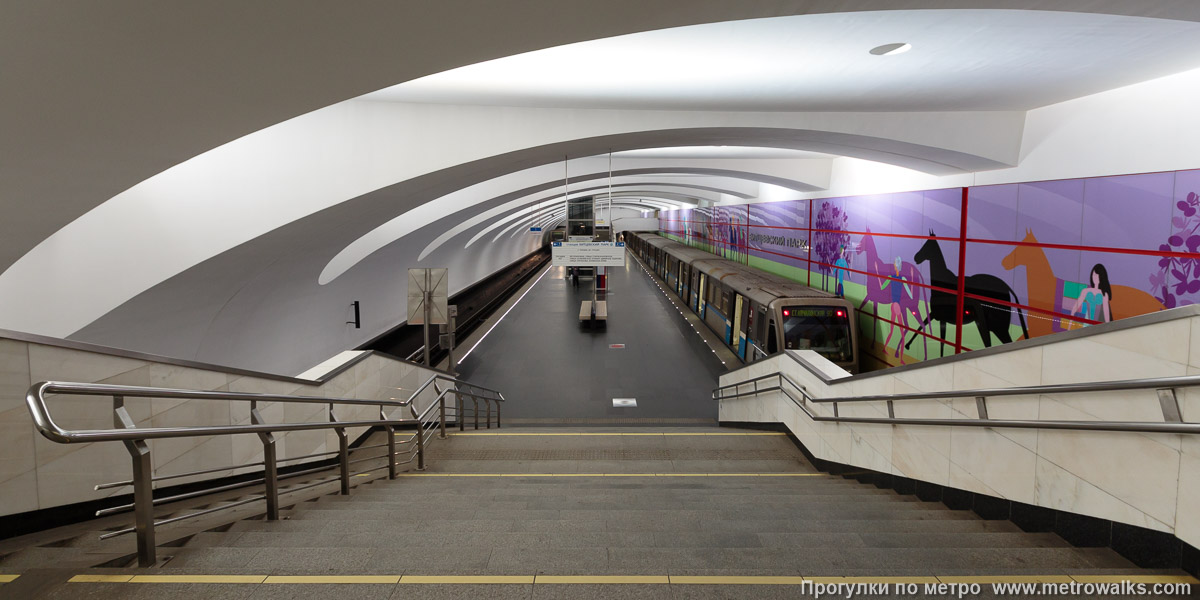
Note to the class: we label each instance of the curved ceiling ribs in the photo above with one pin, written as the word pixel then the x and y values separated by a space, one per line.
pixel 312 190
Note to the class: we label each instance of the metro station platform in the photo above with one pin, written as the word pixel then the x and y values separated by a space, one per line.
pixel 648 351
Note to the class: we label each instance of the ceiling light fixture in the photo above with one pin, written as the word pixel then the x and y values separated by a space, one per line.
pixel 891 49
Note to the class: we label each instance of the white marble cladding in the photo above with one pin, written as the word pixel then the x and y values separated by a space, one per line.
pixel 1148 480
pixel 37 473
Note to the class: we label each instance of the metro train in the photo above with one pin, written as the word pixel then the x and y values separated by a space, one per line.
pixel 756 313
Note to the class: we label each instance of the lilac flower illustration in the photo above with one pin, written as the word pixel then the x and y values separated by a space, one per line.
pixel 1178 278
pixel 830 236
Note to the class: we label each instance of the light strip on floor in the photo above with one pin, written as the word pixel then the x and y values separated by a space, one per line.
pixel 464 357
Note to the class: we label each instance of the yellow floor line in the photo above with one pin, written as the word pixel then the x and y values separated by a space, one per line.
pixel 611 579
pixel 612 475
pixel 617 433
pixel 7 578
pixel 602 579
pixel 468 579
pixel 100 579
pixel 197 579
pixel 1135 578
pixel 734 580
pixel 1005 579
pixel 333 579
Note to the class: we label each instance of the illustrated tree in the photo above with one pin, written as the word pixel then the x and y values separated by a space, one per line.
pixel 1177 281
pixel 829 236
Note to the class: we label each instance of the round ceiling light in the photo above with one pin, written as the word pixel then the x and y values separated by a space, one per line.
pixel 891 49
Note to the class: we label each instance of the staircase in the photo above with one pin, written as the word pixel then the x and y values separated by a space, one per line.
pixel 583 510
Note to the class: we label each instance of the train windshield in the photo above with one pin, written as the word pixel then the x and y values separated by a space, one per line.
pixel 823 329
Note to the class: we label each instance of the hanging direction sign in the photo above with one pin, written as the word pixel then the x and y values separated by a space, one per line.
pixel 588 254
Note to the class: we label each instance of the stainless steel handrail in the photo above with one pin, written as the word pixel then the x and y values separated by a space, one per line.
pixel 426 423
pixel 1165 386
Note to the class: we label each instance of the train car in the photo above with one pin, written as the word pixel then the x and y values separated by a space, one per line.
pixel 756 313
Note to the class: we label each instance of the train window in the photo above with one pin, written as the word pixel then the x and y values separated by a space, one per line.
pixel 824 329
pixel 772 343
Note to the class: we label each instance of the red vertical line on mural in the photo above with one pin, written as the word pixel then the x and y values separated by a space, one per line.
pixel 747 238
pixel 962 278
pixel 808 249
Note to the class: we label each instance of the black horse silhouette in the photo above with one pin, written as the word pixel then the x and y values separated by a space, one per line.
pixel 990 317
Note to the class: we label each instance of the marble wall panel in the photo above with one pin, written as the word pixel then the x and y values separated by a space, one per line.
pixel 1149 480
pixel 999 462
pixel 1060 489
pixel 18 481
pixel 1187 518
pixel 1131 467
pixel 1087 359
pixel 38 473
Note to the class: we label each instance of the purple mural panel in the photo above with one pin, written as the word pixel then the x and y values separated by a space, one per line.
pixel 776 233
pixel 1131 211
pixel 1053 212
pixel 992 213
pixel 942 210
pixel 873 213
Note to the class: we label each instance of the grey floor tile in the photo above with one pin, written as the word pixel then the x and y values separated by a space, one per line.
pixel 311 561
pixel 207 558
pixel 550 561
pixel 150 591
pixel 737 592
pixel 579 591
pixel 437 591
pixel 319 591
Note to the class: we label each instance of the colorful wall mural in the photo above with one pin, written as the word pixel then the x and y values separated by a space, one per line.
pixel 939 272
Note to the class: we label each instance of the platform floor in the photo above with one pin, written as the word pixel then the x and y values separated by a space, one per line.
pixel 555 371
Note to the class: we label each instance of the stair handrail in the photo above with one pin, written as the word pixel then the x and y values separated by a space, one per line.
pixel 135 439
pixel 1172 416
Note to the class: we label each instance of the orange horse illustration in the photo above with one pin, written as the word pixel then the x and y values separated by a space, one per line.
pixel 1049 293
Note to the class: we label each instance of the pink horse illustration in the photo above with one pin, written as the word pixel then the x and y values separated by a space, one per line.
pixel 879 291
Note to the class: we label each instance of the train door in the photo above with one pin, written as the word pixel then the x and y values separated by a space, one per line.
pixel 772 338
pixel 695 285
pixel 679 281
pixel 700 302
pixel 760 332
pixel 739 322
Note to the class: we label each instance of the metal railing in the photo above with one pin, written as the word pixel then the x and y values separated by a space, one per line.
pixel 432 419
pixel 1172 417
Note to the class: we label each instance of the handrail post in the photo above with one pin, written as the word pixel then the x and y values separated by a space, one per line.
pixel 475 407
pixel 488 402
pixel 498 409
pixel 442 416
pixel 420 446
pixel 460 410
pixel 391 443
pixel 343 453
pixel 143 486
pixel 270 464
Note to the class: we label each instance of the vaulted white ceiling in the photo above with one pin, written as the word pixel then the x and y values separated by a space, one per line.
pixel 960 60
